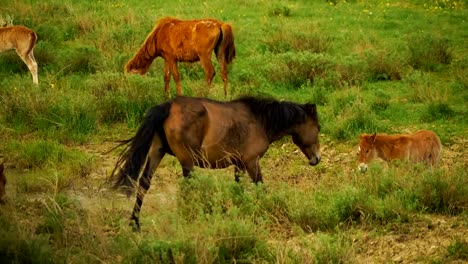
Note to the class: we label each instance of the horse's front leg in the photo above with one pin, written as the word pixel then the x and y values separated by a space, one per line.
pixel 167 77
pixel 253 168
pixel 176 76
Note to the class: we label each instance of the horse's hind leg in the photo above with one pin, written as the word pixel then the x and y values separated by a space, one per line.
pixel 154 158
pixel 209 69
pixel 175 75
pixel 224 73
pixel 30 61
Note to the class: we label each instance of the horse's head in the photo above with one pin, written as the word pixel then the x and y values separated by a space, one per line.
pixel 138 64
pixel 366 150
pixel 306 135
pixel 2 181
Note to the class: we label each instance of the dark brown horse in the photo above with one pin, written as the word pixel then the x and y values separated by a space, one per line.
pixel 189 41
pixel 422 146
pixel 212 134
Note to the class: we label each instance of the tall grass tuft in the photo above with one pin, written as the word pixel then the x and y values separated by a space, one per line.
pixel 429 52
pixel 441 193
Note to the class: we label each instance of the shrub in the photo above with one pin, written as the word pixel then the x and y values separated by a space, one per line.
pixel 292 70
pixel 383 66
pixel 428 52
pixel 161 251
pixel 441 194
pixel 17 248
pixel 437 111
pixel 458 249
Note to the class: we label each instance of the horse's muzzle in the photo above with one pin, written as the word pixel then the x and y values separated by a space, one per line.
pixel 362 167
pixel 314 160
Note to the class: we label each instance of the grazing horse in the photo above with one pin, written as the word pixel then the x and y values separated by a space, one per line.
pixel 212 134
pixel 188 41
pixel 22 40
pixel 2 181
pixel 423 146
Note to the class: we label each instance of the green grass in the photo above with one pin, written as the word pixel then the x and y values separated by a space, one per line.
pixel 370 66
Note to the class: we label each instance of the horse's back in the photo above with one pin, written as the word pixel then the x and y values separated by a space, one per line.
pixel 186 121
pixel 428 146
pixel 221 131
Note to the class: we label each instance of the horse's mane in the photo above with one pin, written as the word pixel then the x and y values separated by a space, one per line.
pixel 277 116
pixel 147 52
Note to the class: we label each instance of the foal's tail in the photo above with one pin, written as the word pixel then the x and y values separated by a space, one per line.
pixel 436 150
pixel 225 46
pixel 133 157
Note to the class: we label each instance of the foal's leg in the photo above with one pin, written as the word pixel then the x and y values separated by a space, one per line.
pixel 144 183
pixel 29 60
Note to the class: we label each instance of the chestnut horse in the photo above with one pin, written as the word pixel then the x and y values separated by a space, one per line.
pixel 188 41
pixel 212 134
pixel 423 146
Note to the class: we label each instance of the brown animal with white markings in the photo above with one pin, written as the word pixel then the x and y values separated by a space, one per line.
pixel 22 40
pixel 423 146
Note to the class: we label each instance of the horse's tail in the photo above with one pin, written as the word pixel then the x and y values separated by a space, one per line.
pixel 436 150
pixel 133 157
pixel 225 46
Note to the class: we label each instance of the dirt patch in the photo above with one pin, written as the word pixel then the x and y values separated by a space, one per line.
pixel 425 239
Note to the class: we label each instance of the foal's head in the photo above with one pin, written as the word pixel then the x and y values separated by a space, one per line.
pixel 306 135
pixel 366 150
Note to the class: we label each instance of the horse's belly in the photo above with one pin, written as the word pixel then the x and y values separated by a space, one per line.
pixel 216 158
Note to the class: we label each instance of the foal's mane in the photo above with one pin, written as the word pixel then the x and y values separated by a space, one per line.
pixel 277 116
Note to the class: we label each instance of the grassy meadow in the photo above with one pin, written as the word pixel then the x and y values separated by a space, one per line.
pixel 370 66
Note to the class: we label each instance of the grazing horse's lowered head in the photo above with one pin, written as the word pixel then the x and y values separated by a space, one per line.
pixel 422 146
pixel 22 40
pixel 178 40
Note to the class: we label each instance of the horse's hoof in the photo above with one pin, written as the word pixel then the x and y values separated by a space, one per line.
pixel 135 224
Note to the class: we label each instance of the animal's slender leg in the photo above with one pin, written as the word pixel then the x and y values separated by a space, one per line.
pixel 176 75
pixel 167 77
pixel 224 74
pixel 208 67
pixel 144 184
pixel 29 60
pixel 253 168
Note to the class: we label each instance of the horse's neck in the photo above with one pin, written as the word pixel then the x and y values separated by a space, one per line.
pixel 383 145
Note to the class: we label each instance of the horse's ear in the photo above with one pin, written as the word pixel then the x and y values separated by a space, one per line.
pixel 373 137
